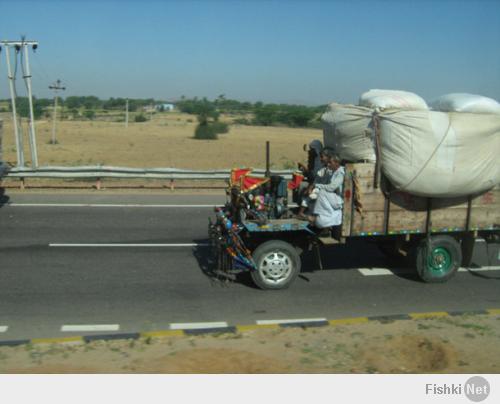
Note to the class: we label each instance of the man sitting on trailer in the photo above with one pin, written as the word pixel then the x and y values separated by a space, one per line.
pixel 310 194
pixel 327 210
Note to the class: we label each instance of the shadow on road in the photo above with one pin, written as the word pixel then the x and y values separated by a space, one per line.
pixel 353 255
pixel 208 265
pixel 4 198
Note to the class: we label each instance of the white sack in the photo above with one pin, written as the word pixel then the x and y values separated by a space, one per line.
pixel 347 130
pixel 392 99
pixel 438 154
pixel 462 102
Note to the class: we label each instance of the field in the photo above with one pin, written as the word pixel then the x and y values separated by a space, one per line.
pixel 166 141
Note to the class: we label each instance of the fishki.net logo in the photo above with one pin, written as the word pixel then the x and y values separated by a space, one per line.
pixel 476 389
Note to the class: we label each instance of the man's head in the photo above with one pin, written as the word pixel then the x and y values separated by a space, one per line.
pixel 326 154
pixel 333 162
pixel 315 147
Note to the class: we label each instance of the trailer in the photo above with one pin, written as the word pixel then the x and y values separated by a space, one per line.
pixel 436 235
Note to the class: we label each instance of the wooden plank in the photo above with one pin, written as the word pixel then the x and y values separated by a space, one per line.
pixel 348 202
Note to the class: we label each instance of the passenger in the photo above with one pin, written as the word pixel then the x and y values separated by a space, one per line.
pixel 314 163
pixel 310 194
pixel 327 210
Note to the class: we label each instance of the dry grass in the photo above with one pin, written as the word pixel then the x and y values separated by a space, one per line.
pixel 167 141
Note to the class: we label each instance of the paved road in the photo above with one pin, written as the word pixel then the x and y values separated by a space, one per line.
pixel 44 288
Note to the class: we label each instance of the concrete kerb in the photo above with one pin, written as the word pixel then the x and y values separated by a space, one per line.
pixel 247 327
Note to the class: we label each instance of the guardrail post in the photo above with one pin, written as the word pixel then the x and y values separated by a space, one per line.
pixel 172 186
pixel 98 183
pixel 22 185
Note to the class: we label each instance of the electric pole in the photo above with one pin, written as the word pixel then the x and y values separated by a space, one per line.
pixel 56 87
pixel 21 51
pixel 126 113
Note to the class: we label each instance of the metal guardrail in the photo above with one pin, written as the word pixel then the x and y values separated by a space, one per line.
pixel 125 172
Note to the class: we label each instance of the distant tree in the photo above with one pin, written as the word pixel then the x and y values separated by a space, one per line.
pixel 23 107
pixel 89 114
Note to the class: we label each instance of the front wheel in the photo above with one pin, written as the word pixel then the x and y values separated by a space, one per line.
pixel 438 259
pixel 278 264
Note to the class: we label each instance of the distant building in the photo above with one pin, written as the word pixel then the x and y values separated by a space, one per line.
pixel 165 107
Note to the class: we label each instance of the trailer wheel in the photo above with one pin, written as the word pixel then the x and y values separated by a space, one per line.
pixel 438 260
pixel 278 264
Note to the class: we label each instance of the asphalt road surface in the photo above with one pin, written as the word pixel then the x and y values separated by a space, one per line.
pixel 62 273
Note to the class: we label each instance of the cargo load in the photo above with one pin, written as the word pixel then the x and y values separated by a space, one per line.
pixel 440 154
pixel 425 153
pixel 462 102
pixel 392 99
pixel 347 129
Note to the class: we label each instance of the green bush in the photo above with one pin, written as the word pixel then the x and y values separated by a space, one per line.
pixel 89 114
pixel 140 118
pixel 205 131
pixel 220 127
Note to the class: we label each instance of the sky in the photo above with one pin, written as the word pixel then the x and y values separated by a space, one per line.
pixel 307 52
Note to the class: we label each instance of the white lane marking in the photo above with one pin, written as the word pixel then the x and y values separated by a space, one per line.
pixel 4 328
pixel 90 327
pixel 127 245
pixel 374 271
pixel 197 326
pixel 491 268
pixel 106 205
pixel 385 271
pixel 291 321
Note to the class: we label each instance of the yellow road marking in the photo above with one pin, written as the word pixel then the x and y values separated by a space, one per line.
pixel 431 314
pixel 56 340
pixel 493 311
pixel 250 327
pixel 354 320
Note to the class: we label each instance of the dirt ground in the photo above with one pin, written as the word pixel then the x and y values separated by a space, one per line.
pixel 465 344
pixel 166 141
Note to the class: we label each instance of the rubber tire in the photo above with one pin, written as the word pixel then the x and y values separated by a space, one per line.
pixel 450 245
pixel 277 246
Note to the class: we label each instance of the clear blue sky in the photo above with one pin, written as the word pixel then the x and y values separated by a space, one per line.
pixel 308 52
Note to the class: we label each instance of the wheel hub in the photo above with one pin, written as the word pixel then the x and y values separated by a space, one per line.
pixel 440 260
pixel 275 267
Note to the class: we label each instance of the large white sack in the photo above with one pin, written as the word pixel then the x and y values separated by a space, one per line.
pixel 392 99
pixel 347 130
pixel 462 102
pixel 439 154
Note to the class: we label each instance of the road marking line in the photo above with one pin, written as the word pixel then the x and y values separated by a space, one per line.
pixel 431 314
pixel 486 268
pixel 4 328
pixel 386 271
pixel 251 327
pixel 106 205
pixel 375 271
pixel 197 326
pixel 290 321
pixel 354 320
pixel 90 327
pixel 127 245
pixel 63 340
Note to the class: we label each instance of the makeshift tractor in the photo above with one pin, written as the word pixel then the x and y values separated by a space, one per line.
pixel 256 230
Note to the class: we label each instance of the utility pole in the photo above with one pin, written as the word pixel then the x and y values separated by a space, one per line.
pixel 56 87
pixel 18 137
pixel 126 113
pixel 21 47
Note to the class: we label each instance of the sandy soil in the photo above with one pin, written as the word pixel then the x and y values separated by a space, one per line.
pixel 466 344
pixel 166 141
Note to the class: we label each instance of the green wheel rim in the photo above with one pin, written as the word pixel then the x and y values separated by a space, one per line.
pixel 439 261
